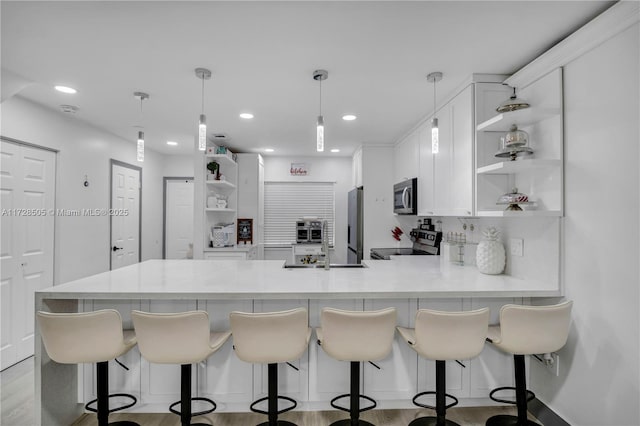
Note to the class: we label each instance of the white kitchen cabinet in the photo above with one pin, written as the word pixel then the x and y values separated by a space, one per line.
pixel 426 201
pixel 293 377
pixel 393 377
pixel 406 157
pixel 251 196
pixel 539 176
pixel 492 368
pixel 356 168
pixel 225 379
pixel 446 180
pixel 328 377
pixel 238 253
pixel 457 377
pixel 226 188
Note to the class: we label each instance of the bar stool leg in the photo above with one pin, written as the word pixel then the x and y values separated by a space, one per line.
pixel 355 394
pixel 521 389
pixel 272 378
pixel 102 373
pixel 185 394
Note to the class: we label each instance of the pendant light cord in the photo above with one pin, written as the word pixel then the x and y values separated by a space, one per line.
pixel 203 94
pixel 434 97
pixel 320 96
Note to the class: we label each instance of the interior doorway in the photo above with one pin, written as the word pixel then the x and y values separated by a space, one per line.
pixel 178 218
pixel 26 254
pixel 125 214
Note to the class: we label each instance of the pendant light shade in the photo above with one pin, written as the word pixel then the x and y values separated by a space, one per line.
pixel 434 77
pixel 203 74
pixel 140 151
pixel 320 75
pixel 140 144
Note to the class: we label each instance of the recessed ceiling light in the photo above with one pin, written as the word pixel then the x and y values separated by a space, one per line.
pixel 349 117
pixel 335 150
pixel 269 150
pixel 65 89
pixel 172 143
pixel 246 115
pixel 69 109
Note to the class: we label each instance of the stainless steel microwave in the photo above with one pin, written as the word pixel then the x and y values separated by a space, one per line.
pixel 405 197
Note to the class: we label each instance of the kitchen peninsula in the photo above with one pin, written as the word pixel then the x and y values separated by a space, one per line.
pixel 222 286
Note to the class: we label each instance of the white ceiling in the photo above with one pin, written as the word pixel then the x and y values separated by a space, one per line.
pixel 262 55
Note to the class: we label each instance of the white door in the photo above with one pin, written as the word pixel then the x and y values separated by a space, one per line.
pixel 26 253
pixel 125 217
pixel 178 226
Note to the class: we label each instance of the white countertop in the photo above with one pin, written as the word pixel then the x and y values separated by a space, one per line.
pixel 236 248
pixel 403 277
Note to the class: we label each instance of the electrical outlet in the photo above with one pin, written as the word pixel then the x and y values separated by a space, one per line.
pixel 517 247
pixel 550 361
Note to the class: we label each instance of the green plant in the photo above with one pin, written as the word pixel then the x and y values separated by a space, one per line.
pixel 213 166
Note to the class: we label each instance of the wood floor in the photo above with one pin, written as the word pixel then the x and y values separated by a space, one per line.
pixel 17 409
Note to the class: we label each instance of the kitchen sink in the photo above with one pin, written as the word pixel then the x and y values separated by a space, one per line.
pixel 331 266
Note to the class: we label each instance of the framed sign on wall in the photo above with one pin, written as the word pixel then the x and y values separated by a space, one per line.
pixel 245 231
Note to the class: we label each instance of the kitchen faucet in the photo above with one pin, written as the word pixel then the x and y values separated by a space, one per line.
pixel 325 244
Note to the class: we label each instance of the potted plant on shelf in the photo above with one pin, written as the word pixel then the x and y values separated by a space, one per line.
pixel 214 170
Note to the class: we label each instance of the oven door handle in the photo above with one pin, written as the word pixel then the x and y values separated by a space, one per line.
pixel 405 196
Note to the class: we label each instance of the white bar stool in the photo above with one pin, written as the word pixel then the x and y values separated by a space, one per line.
pixel 89 337
pixel 271 338
pixel 179 338
pixel 356 336
pixel 445 336
pixel 527 330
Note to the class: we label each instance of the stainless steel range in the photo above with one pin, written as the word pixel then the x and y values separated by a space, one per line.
pixel 424 243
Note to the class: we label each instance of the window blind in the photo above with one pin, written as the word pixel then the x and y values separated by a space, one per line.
pixel 286 202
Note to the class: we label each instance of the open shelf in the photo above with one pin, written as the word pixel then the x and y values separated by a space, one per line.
pixel 220 210
pixel 222 159
pixel 518 166
pixel 523 213
pixel 220 184
pixel 523 117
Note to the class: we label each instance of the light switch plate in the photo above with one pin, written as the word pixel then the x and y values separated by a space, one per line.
pixel 517 247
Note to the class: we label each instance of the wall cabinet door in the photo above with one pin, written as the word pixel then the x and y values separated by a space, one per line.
pixel 461 171
pixel 446 178
pixel 406 157
pixel 426 177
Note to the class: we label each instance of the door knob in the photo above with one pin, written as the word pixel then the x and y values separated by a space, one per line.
pixel 116 248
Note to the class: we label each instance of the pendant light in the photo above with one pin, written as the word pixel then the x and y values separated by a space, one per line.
pixel 203 74
pixel 434 77
pixel 140 146
pixel 512 104
pixel 320 75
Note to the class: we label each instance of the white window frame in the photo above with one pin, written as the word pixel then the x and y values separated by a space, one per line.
pixel 286 202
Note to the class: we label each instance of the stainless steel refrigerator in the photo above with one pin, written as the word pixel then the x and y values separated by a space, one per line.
pixel 354 226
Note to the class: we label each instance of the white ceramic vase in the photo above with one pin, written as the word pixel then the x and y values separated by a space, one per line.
pixel 490 255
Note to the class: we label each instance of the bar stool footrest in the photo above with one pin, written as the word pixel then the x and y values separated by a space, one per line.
pixel 284 410
pixel 432 421
pixel 530 395
pixel 112 410
pixel 199 413
pixel 433 407
pixel 370 407
pixel 506 420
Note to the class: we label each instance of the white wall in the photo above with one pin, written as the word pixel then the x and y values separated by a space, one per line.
pixel 178 166
pixel 82 243
pixel 599 371
pixel 321 169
